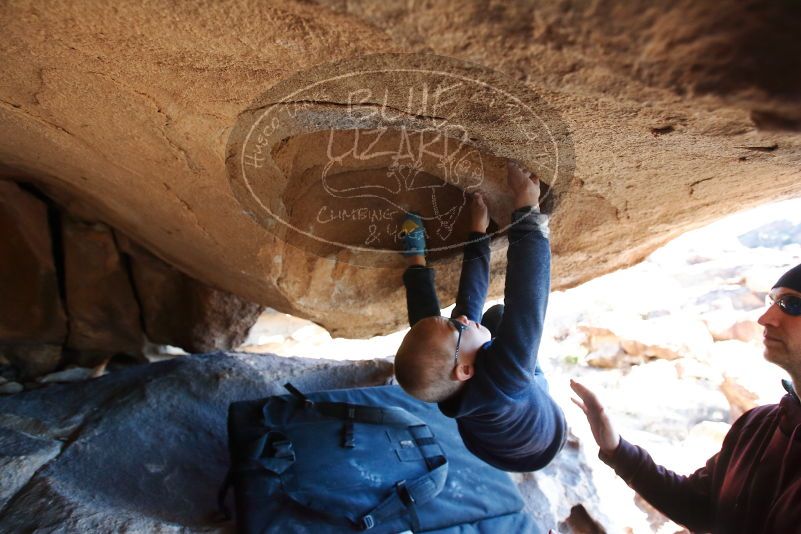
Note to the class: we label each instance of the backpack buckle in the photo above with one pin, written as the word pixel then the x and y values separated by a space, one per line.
pixel 283 449
pixel 403 493
pixel 348 438
pixel 367 522
pixel 307 402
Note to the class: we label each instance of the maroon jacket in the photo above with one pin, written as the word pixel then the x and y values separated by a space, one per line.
pixel 753 485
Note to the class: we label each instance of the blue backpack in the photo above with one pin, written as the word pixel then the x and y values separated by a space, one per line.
pixel 370 459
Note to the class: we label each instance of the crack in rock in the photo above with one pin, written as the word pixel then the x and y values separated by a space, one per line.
pixel 188 208
pixel 19 109
pixel 324 103
pixel 168 121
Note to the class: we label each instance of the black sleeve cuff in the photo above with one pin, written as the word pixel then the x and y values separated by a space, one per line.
pixel 622 459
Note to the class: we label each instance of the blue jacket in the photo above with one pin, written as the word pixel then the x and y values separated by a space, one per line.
pixel 504 412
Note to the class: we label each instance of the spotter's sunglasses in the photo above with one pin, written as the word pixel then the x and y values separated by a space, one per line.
pixel 459 328
pixel 789 304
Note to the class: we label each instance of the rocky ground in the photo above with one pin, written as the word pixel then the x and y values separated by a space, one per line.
pixel 141 450
pixel 671 346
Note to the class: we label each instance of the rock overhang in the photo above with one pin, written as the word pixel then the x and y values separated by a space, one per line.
pixel 132 122
pixel 332 158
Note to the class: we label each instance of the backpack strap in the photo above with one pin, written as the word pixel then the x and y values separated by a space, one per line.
pixel 222 493
pixel 408 494
pixel 360 413
pixel 307 402
pixel 272 451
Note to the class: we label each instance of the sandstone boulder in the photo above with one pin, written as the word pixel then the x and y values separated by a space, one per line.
pixel 736 297
pixel 180 311
pixel 103 310
pixel 742 330
pixel 31 312
pixel 605 349
pixel 32 360
pixel 761 279
pixel 747 380
pixel 628 342
pixel 740 398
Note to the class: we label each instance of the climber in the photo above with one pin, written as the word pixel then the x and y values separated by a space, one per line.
pixel 754 483
pixel 485 374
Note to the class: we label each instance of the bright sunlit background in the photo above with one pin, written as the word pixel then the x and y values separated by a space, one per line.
pixel 671 346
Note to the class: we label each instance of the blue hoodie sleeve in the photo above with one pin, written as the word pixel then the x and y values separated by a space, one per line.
pixel 474 280
pixel 512 355
pixel 421 293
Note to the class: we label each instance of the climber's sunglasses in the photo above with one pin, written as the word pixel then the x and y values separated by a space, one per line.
pixel 459 328
pixel 789 304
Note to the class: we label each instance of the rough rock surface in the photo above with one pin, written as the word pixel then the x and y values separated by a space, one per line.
pixel 562 494
pixel 68 280
pixel 180 311
pixel 103 310
pixel 145 449
pixel 679 113
pixel 10 388
pixel 140 450
pixel 32 320
pixel 32 360
pixel 30 305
